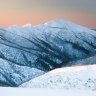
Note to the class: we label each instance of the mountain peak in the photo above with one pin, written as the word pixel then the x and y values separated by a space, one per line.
pixel 27 25
pixel 64 24
pixel 56 23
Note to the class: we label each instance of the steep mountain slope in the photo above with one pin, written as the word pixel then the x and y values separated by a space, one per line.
pixel 82 77
pixel 91 58
pixel 52 44
pixel 59 41
pixel 45 47
pixel 13 75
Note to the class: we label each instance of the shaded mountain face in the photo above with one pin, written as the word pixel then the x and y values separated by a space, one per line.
pixel 45 47
pixel 94 29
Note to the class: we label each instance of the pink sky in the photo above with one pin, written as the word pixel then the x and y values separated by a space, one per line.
pixel 22 12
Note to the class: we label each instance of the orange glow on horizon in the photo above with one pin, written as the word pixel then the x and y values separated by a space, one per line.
pixel 22 19
pixel 21 12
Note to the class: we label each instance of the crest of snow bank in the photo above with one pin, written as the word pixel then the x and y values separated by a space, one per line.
pixel 71 69
pixel 70 78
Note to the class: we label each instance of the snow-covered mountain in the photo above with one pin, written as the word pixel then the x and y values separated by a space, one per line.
pixel 55 44
pixel 59 41
pixel 81 77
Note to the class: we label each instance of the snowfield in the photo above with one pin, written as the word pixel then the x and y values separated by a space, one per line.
pixel 44 92
pixel 80 81
pixel 82 78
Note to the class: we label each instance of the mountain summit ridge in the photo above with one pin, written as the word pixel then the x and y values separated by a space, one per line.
pixel 61 23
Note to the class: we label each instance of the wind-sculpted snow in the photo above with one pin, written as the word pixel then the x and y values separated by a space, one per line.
pixel 82 77
pixel 48 46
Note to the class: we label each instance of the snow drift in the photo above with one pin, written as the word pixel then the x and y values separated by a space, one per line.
pixel 82 77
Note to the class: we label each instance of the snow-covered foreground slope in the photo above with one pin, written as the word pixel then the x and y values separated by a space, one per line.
pixel 81 77
pixel 44 92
